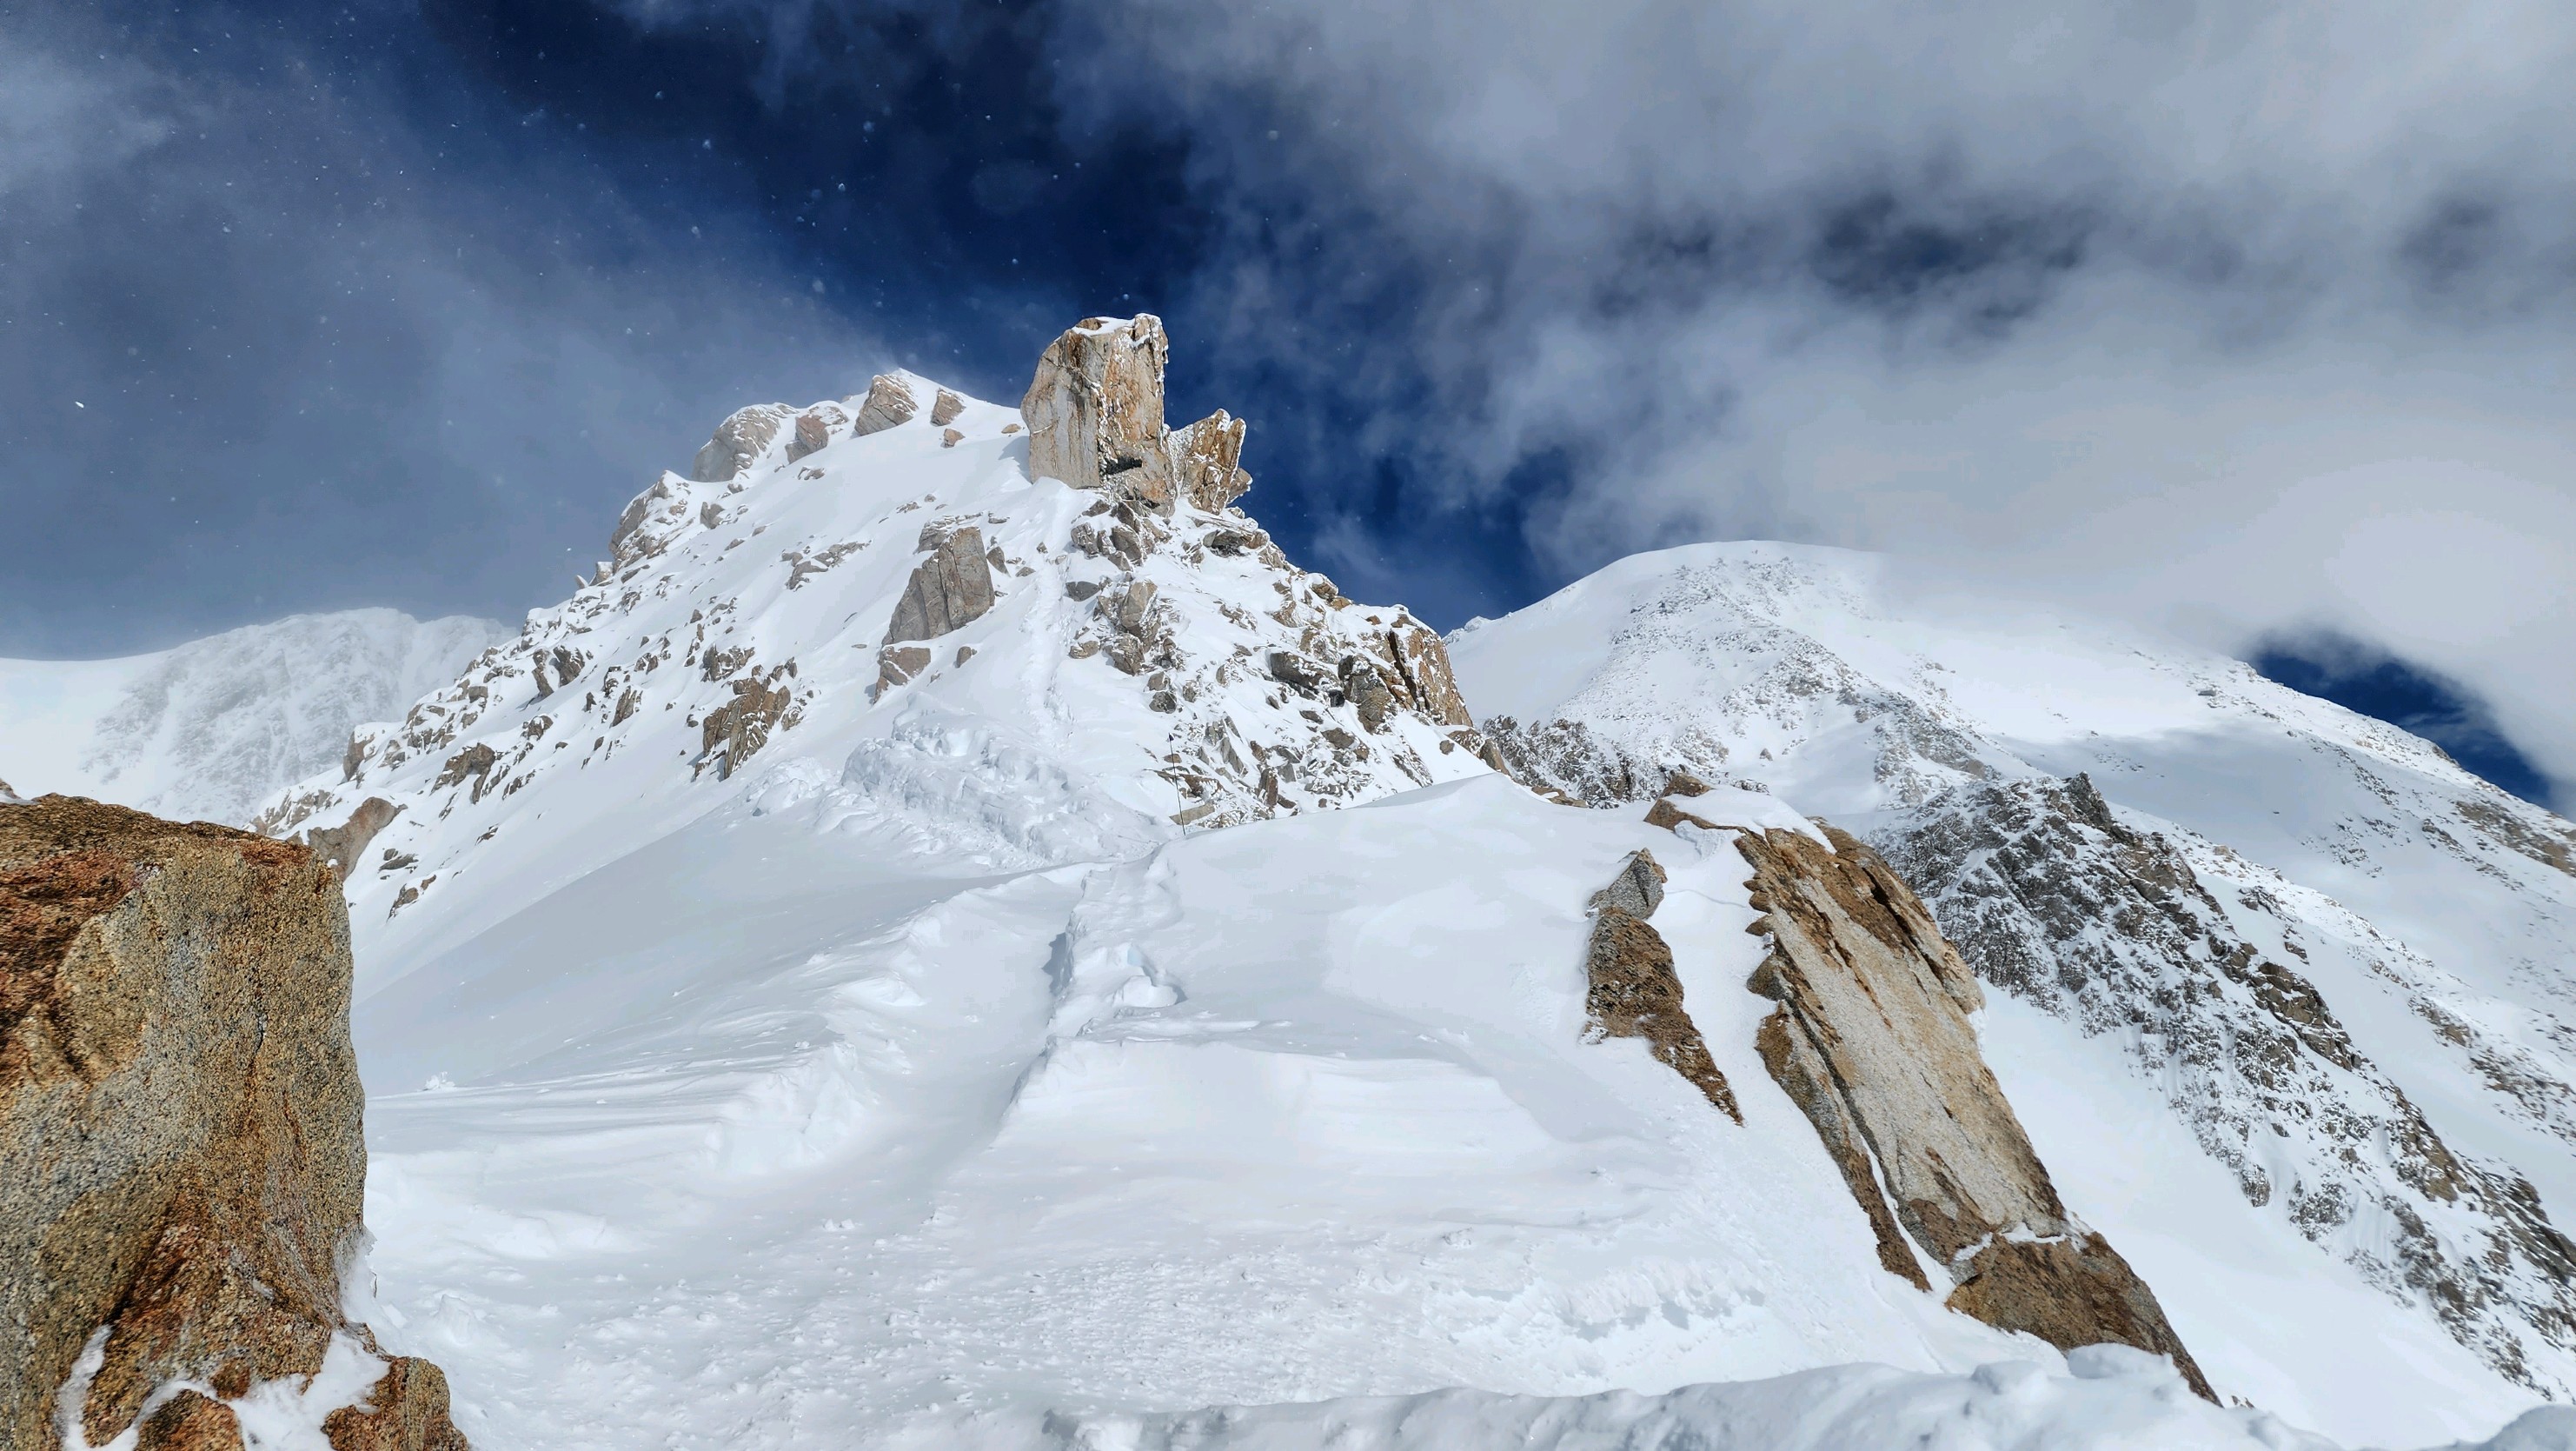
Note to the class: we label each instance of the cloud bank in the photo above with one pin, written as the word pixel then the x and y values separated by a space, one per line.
pixel 2236 319
pixel 2250 322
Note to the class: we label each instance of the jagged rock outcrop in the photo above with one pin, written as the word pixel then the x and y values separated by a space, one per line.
pixel 889 401
pixel 181 1163
pixel 1634 992
pixel 1564 761
pixel 667 501
pixel 1872 1041
pixel 2051 898
pixel 1206 461
pixel 737 441
pixel 1095 408
pixel 814 428
pixel 733 731
pixel 339 847
pixel 950 588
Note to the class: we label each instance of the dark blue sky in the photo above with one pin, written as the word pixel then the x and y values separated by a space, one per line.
pixel 305 306
pixel 398 305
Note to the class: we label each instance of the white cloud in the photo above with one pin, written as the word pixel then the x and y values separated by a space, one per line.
pixel 57 119
pixel 2233 317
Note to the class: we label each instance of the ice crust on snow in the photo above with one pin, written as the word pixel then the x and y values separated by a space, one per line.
pixel 2108 1397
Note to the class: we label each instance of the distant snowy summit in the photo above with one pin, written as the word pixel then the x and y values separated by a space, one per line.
pixel 213 729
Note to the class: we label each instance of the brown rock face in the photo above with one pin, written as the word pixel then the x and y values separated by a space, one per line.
pixel 898 664
pixel 180 1151
pixel 339 847
pixel 1095 408
pixel 813 431
pixel 732 732
pixel 888 402
pixel 406 1411
pixel 1423 663
pixel 1668 816
pixel 1206 460
pixel 190 1422
pixel 953 586
pixel 1872 1041
pixel 1634 991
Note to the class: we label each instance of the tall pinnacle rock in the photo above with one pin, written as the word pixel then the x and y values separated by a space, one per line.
pixel 1095 415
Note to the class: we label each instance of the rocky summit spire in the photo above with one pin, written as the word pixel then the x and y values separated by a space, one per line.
pixel 1095 408
pixel 1095 417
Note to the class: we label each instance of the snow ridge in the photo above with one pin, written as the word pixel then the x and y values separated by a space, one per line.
pixel 2339 957
pixel 1108 667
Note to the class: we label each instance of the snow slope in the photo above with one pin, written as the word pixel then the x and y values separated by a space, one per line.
pixel 214 728
pixel 2277 973
pixel 920 1061
pixel 1297 1109
pixel 919 1067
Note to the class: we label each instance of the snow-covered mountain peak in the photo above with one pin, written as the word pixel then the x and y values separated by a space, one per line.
pixel 1823 674
pixel 212 728
pixel 875 608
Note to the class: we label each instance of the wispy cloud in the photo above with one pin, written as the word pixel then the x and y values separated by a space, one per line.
pixel 2228 317
pixel 281 329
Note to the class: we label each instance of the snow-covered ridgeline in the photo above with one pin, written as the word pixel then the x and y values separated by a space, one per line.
pixel 876 601
pixel 212 729
pixel 2338 957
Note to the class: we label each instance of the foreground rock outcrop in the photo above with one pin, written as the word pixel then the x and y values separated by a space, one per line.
pixel 1872 1041
pixel 181 1163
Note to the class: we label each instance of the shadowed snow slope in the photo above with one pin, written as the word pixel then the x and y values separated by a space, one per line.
pixel 212 729
pixel 2286 1003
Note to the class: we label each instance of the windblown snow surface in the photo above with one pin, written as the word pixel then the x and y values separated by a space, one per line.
pixel 916 1080
pixel 213 729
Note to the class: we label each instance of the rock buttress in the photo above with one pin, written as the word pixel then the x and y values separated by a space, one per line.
pixel 1872 1041
pixel 1633 991
pixel 1095 408
pixel 947 591
pixel 181 1162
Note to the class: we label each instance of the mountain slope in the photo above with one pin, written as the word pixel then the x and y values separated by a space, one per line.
pixel 876 600
pixel 805 1000
pixel 2335 959
pixel 806 1003
pixel 214 728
